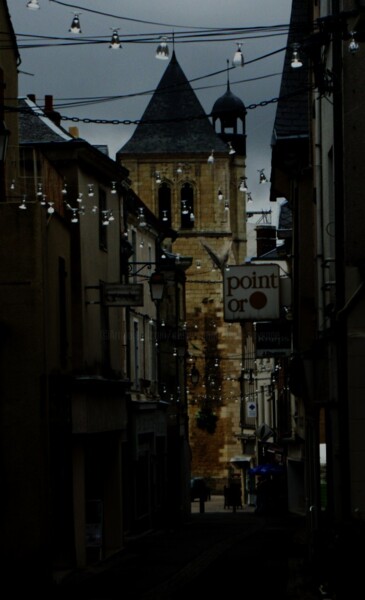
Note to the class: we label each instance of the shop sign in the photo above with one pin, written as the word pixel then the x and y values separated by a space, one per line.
pixel 273 338
pixel 118 294
pixel 251 292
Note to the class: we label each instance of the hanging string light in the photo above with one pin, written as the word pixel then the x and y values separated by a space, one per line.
pixel 75 25
pixel 211 158
pixel 231 149
pixel 238 59
pixel 262 176
pixel 22 206
pixel 184 208
pixel 243 185
pixel 115 42
pixel 353 45
pixel 33 5
pixel 296 61
pixel 141 218
pixel 162 50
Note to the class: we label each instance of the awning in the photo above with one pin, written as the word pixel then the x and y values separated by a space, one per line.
pixel 268 469
pixel 241 460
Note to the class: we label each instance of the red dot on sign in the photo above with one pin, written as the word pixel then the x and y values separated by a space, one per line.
pixel 258 300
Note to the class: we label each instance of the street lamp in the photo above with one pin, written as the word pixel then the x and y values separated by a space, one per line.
pixel 157 286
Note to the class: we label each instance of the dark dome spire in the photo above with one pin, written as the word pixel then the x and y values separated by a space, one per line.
pixel 229 110
pixel 229 107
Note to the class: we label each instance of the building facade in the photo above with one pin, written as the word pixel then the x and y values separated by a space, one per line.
pixel 189 171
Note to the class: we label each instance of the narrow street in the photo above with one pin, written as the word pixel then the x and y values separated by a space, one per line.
pixel 215 550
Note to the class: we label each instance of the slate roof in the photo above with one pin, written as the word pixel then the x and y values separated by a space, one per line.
pixel 229 103
pixel 35 127
pixel 174 121
pixel 291 120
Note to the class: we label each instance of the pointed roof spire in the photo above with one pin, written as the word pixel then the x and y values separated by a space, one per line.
pixel 174 120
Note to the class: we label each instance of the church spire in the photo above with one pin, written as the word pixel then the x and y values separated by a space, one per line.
pixel 174 120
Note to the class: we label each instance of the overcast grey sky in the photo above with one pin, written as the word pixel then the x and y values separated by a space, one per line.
pixel 91 69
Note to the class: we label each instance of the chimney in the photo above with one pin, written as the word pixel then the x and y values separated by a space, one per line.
pixel 74 131
pixel 50 112
pixel 265 239
pixel 32 98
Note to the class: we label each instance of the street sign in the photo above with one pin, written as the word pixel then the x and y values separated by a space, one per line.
pixel 251 409
pixel 118 294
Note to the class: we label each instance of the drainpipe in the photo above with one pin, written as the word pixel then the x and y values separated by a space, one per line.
pixel 342 479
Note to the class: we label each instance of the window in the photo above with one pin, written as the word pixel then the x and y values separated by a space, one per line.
pixel 187 206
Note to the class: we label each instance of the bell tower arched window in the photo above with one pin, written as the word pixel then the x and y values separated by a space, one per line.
pixel 164 203
pixel 187 206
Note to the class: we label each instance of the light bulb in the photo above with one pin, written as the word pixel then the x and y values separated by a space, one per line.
pixel 162 50
pixel 220 195
pixel 238 60
pixel 231 149
pixel 211 158
pixel 262 176
pixel 33 5
pixel 22 205
pixel 353 45
pixel 115 41
pixel 243 186
pixel 184 207
pixel 75 25
pixel 296 62
pixel 114 188
pixel 50 208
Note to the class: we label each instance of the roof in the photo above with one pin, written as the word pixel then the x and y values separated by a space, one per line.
pixel 35 127
pixel 174 120
pixel 229 103
pixel 291 119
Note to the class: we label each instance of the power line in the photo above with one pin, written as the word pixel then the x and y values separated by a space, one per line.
pixel 144 22
pixel 203 115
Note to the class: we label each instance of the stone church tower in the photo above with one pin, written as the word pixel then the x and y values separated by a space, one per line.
pixel 188 170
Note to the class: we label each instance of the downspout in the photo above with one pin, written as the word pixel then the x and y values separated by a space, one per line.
pixel 343 478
